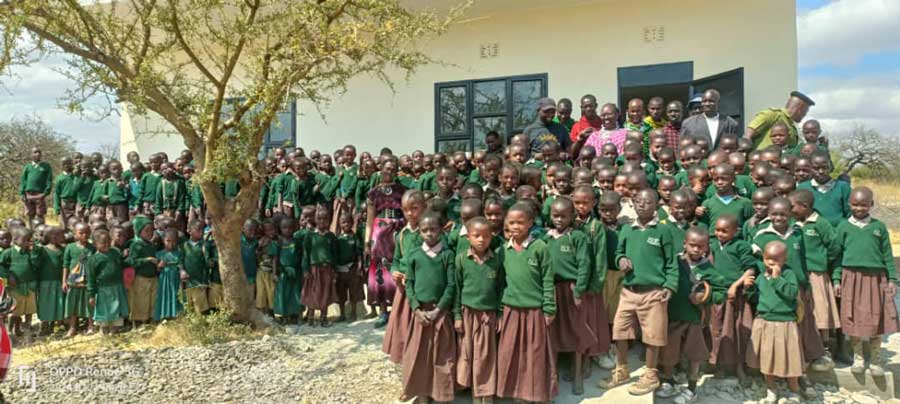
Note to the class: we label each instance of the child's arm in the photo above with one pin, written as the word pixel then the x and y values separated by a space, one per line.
pixel 888 255
pixel 549 285
pixel 158 198
pixel 582 265
pixel 622 261
pixel 457 297
pixel 671 263
pixel 446 300
pixel 411 296
pixel 839 236
pixel 784 283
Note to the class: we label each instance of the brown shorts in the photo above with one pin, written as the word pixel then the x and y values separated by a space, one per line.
pixel 196 298
pixel 684 338
pixel 25 304
pixel 645 310
pixel 35 206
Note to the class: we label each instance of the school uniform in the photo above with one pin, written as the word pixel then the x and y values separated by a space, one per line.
pixel 65 197
pixel 821 253
pixel 740 207
pixel 526 356
pixel 686 320
pixel 743 186
pixel 276 193
pixel 480 284
pixel 326 186
pixel 867 265
pixel 299 192
pixel 105 285
pixel 83 195
pixel 51 303
pixel 37 180
pixel 23 267
pixel 169 197
pixel 349 285
pixel 654 268
pixel 775 347
pixel 831 199
pixel 612 285
pixel 194 200
pixel 117 196
pixel 76 301
pixel 570 259
pixel 731 321
pixel 592 298
pixel 751 227
pixel 167 304
pixel 196 268
pixel 250 261
pixel 142 294
pixel 96 201
pixel 318 262
pixel 287 290
pixel 135 203
pixel 399 323
pixel 679 230
pixel 265 282
pixel 149 183
pixel 429 358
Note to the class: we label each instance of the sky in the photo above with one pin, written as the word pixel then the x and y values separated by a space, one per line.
pixel 849 53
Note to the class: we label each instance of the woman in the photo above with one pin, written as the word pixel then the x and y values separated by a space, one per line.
pixel 384 218
pixel 609 133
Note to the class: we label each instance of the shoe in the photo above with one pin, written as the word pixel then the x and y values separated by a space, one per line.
pixel 666 390
pixel 791 397
pixel 686 396
pixel 771 397
pixel 618 377
pixel 822 364
pixel 876 369
pixel 859 364
pixel 382 321
pixel 607 361
pixel 648 382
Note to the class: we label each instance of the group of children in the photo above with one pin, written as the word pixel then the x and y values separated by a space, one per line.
pixel 493 265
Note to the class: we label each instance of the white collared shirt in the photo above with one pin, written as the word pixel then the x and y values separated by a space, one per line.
pixel 860 222
pixel 525 244
pixel 713 125
pixel 652 222
pixel 432 251
pixel 557 234
pixel 822 188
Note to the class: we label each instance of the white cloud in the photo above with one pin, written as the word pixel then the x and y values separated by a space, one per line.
pixel 873 100
pixel 842 31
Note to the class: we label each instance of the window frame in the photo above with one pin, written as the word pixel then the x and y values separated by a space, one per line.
pixel 469 85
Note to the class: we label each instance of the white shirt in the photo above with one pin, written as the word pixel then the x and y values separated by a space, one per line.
pixel 713 125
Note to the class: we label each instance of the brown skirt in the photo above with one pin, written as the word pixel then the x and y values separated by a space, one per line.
pixel 810 339
pixel 570 330
pixel 825 307
pixel 730 328
pixel 476 365
pixel 867 309
pixel 612 289
pixel 775 348
pixel 429 360
pixel 526 357
pixel 595 310
pixel 398 327
pixel 318 288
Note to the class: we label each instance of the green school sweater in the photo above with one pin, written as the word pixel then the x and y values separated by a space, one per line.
pixel 818 238
pixel 52 271
pixel 230 188
pixel 732 259
pixel 326 186
pixel 276 189
pixel 680 307
pixel 104 269
pixel 866 248
pixel 777 297
pixel 149 183
pixel 348 180
pixel 73 252
pixel 212 258
pixel 741 207
pixel 288 259
pixel 427 182
pixel 407 241
pixel 302 192
pixel 85 186
pixel 36 177
pixel 479 285
pixel 796 258
pixel 751 226
pixel 430 279
pixel 454 204
pixel 833 204
pixel 195 262
pixel 349 249
pixel 679 231
pixel 66 189
pixel 170 194
pixel 612 243
pixel 194 194
pixel 529 277
pixel 24 266
pixel 596 234
pixel 545 208
pixel 652 255
pixel 319 249
pixel 116 194
pixel 139 258
pixel 475 177
pixel 570 258
pixel 98 191
pixel 361 194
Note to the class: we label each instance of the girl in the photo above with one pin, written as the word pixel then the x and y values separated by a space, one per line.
pixel 286 273
pixel 170 265
pixel 265 278
pixel 116 193
pixel 51 300
pixel 526 360
pixel 509 181
pixel 319 251
pixel 775 339
pixel 105 286
pixel 73 280
pixel 349 283
pixel 429 358
pixel 384 219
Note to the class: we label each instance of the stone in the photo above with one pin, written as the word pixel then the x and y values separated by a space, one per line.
pixel 863 398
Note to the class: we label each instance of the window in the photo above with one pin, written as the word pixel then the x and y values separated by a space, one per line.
pixel 466 111
pixel 281 133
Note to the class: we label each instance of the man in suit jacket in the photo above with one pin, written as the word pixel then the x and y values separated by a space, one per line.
pixel 710 125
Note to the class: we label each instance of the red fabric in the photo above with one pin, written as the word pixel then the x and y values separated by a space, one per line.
pixel 583 124
pixel 5 345
pixel 672 135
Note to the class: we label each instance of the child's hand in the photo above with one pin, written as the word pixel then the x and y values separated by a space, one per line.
pixel 696 298
pixel 837 290
pixel 749 280
pixel 160 264
pixel 699 211
pixel 775 271
pixel 890 288
pixel 422 318
pixel 65 287
pixel 666 295
pixel 268 212
pixel 549 319
pixel 458 325
pixel 625 264
pixel 433 314
pixel 732 291
pixel 91 301
pixel 399 277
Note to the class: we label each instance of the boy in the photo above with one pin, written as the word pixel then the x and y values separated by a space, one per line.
pixel 65 193
pixel 725 200
pixel 195 252
pixel 116 193
pixel 681 215
pixel 170 195
pixel 832 196
pixel 646 255
pixel 349 286
pixel 149 183
pixel 19 267
pixel 35 186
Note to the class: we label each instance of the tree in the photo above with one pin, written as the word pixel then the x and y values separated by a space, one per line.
pixel 865 147
pixel 17 137
pixel 218 71
pixel 110 151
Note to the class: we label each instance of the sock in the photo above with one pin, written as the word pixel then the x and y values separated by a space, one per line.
pixel 692 386
pixel 670 380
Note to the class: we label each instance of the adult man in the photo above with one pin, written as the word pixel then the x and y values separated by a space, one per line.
pixel 710 125
pixel 635 121
pixel 758 130
pixel 37 180
pixel 589 121
pixel 694 105
pixel 655 111
pixel 675 112
pixel 544 130
pixel 564 113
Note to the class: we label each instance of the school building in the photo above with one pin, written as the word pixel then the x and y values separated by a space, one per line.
pixel 504 55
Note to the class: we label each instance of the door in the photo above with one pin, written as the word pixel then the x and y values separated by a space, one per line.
pixel 730 86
